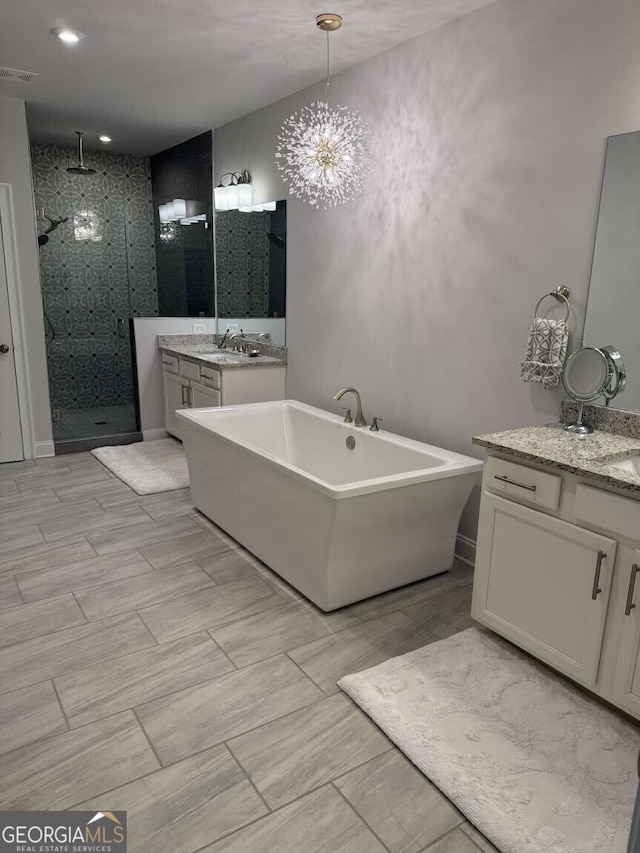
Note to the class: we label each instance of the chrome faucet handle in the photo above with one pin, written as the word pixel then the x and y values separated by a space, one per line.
pixel 374 425
pixel 347 418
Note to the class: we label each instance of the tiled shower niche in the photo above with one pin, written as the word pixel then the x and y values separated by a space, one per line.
pixel 97 271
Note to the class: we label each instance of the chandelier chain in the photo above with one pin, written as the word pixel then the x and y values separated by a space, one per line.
pixel 328 69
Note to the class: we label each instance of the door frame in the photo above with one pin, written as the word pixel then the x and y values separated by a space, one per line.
pixel 16 317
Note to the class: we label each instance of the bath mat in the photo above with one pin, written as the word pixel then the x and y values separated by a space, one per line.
pixel 147 466
pixel 535 765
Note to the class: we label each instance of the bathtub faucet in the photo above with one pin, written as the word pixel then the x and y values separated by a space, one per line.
pixel 360 420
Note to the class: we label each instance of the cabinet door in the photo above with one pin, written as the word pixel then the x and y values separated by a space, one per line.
pixel 175 397
pixel 203 397
pixel 543 584
pixel 626 687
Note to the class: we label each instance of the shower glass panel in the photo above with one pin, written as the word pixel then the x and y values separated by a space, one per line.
pixel 98 272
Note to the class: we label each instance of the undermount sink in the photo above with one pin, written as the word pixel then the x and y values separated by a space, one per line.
pixel 628 464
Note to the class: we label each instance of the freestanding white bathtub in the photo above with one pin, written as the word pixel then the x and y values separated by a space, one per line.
pixel 338 524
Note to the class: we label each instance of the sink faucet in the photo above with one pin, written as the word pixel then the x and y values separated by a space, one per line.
pixel 360 420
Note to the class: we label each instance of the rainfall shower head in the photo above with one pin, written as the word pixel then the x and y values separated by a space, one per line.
pixel 80 169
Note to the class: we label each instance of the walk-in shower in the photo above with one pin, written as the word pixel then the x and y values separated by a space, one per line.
pixel 97 263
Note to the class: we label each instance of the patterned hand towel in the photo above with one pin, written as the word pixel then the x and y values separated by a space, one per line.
pixel 546 352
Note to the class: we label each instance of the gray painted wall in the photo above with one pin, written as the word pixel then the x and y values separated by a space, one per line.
pixel 489 139
pixel 15 169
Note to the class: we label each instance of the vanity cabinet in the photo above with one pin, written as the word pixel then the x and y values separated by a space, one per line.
pixel 188 383
pixel 558 574
pixel 176 396
pixel 626 687
pixel 203 397
pixel 544 584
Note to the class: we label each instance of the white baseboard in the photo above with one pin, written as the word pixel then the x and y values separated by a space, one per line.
pixel 154 434
pixel 466 550
pixel 41 449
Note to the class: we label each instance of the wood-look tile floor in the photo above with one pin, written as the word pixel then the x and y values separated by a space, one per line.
pixel 148 663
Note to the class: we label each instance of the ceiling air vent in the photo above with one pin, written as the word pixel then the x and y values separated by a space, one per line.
pixel 18 76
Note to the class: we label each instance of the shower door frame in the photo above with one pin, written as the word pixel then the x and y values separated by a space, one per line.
pixel 16 319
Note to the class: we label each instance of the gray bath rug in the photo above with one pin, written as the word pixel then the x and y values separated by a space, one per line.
pixel 534 764
pixel 147 466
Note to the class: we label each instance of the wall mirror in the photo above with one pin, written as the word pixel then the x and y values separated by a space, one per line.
pixel 251 270
pixel 613 309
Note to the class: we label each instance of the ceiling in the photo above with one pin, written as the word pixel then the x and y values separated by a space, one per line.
pixel 151 73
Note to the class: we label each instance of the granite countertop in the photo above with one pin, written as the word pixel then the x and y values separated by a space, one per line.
pixel 222 359
pixel 586 455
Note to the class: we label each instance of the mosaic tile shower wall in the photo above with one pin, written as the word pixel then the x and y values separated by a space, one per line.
pixel 242 263
pixel 97 269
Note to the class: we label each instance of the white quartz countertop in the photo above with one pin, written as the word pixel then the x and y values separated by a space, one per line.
pixel 586 455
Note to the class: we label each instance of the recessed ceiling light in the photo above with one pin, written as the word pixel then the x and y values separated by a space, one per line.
pixel 67 34
pixel 104 138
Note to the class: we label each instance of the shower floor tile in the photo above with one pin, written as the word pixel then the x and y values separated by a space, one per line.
pixel 97 420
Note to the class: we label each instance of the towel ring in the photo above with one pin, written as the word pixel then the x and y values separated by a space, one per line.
pixel 561 294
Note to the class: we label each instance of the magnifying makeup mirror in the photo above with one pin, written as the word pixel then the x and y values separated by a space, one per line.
pixel 589 373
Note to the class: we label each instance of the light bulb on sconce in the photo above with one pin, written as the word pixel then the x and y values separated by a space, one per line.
pixel 236 194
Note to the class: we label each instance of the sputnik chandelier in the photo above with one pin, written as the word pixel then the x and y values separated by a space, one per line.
pixel 323 150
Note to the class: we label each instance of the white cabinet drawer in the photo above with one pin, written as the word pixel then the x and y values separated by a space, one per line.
pixel 190 369
pixel 608 512
pixel 523 483
pixel 210 376
pixel 170 363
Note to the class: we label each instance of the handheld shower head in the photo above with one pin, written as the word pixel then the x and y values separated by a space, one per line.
pixel 80 169
pixel 55 223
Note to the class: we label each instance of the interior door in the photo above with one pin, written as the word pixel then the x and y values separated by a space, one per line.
pixel 11 449
pixel 543 584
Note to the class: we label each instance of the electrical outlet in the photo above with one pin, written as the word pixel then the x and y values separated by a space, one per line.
pixel 199 328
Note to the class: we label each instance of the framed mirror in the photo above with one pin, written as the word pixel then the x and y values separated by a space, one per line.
pixel 251 270
pixel 613 308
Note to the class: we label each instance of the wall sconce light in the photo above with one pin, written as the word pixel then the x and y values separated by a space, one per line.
pixel 237 194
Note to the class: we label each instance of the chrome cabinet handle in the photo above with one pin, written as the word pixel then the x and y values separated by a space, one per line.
pixel 595 592
pixel 170 363
pixel 184 388
pixel 189 395
pixel 207 375
pixel 635 568
pixel 4 348
pixel 505 479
